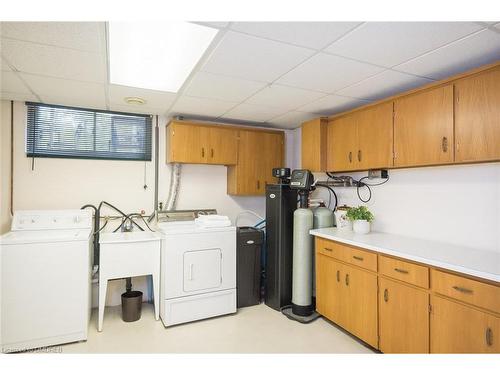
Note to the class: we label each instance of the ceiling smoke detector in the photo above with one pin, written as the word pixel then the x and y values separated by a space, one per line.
pixel 134 100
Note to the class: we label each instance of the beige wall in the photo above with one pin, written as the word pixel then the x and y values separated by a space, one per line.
pixel 5 217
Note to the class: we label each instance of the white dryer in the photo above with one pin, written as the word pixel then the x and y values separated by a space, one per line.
pixel 198 271
pixel 45 277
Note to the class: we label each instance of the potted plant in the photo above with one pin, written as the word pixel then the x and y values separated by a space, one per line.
pixel 361 218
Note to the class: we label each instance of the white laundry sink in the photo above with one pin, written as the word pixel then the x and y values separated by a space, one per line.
pixel 128 254
pixel 137 236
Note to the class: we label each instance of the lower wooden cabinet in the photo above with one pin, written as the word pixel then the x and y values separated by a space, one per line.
pixel 347 296
pixel 403 318
pixel 388 302
pixel 361 303
pixel 456 328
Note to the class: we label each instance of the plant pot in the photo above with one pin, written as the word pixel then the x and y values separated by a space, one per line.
pixel 361 226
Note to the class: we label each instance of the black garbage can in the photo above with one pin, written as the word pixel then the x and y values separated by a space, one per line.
pixel 248 265
pixel 131 306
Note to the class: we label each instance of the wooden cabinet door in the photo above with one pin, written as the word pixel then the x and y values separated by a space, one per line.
pixel 375 139
pixel 342 144
pixel 270 156
pixel 248 170
pixel 477 117
pixel 361 304
pixel 403 318
pixel 222 146
pixel 456 328
pixel 423 128
pixel 314 145
pixel 187 144
pixel 329 290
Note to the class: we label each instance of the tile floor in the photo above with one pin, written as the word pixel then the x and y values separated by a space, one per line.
pixel 256 329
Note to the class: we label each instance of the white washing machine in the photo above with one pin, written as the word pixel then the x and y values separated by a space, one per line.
pixel 45 278
pixel 198 270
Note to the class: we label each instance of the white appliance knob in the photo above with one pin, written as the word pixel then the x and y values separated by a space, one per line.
pixel 76 219
pixel 33 220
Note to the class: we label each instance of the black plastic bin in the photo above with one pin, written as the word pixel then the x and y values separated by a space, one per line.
pixel 131 306
pixel 248 265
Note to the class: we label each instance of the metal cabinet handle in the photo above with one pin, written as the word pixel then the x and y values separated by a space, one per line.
pixel 327 249
pixel 338 276
pixel 358 258
pixel 258 185
pixel 212 152
pixel 347 279
pixel 489 336
pixel 444 144
pixel 386 295
pixel 203 152
pixel 350 156
pixel 401 270
pixel 462 289
pixel 359 155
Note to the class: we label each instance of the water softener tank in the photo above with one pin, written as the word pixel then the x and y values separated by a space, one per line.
pixel 302 262
pixel 323 218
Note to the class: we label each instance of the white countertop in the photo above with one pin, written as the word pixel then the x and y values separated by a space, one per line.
pixel 469 261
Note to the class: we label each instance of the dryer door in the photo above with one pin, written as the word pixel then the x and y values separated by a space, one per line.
pixel 202 270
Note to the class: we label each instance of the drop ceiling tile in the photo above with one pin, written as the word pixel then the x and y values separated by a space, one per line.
pixel 292 120
pixel 154 99
pixel 216 24
pixel 67 92
pixel 328 73
pixel 332 104
pixel 473 51
pixel 306 34
pixel 137 109
pixel 4 95
pixel 5 66
pixel 10 82
pixel 391 43
pixel 54 61
pixel 84 36
pixel 253 58
pixel 250 112
pixel 383 85
pixel 208 85
pixel 190 105
pixel 284 97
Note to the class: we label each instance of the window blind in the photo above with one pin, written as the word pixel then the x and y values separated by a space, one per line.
pixel 67 132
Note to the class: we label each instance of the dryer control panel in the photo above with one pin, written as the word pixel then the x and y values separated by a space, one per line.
pixel 51 219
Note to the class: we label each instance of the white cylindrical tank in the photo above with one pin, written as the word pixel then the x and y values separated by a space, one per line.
pixel 323 218
pixel 302 262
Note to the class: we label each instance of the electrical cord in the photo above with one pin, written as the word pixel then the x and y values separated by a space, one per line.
pixel 361 184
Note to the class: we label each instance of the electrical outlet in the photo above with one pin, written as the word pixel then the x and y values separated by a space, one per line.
pixel 378 173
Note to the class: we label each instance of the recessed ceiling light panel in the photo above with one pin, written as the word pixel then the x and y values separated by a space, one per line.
pixel 154 55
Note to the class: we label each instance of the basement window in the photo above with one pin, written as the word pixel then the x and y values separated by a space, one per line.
pixel 55 131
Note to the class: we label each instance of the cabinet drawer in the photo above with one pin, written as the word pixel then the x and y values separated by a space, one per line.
pixel 470 291
pixel 332 249
pixel 363 258
pixel 404 271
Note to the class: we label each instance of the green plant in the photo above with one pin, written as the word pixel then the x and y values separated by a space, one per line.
pixel 359 213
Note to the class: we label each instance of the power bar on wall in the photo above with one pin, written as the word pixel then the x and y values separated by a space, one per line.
pixel 378 173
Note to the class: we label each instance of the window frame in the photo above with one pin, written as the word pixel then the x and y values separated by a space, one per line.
pixel 30 153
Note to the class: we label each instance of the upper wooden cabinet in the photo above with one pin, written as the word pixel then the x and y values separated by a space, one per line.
pixel 477 117
pixel 361 140
pixel 258 153
pixel 423 128
pixel 314 144
pixel 201 144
